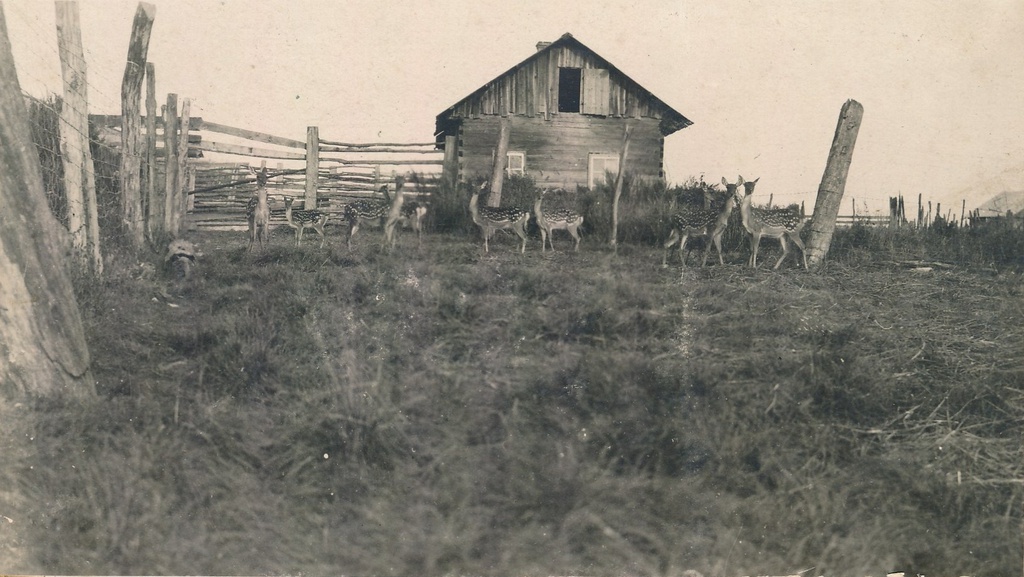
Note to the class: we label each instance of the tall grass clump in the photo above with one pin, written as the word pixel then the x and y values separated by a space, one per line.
pixel 996 244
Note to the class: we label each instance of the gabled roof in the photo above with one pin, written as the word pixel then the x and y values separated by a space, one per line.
pixel 672 120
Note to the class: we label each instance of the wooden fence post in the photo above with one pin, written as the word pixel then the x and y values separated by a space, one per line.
pixel 171 164
pixel 500 160
pixel 74 126
pixel 618 187
pixel 450 170
pixel 131 88
pixel 180 197
pixel 833 182
pixel 312 165
pixel 154 197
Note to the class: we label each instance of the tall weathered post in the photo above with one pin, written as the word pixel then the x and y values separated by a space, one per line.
pixel 131 119
pixel 833 182
pixel 171 183
pixel 312 166
pixel 450 171
pixel 623 153
pixel 500 160
pixel 79 179
pixel 153 199
pixel 181 157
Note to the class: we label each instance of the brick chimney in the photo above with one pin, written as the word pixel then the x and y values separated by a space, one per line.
pixel 542 45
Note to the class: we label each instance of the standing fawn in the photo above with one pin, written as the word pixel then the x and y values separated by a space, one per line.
pixel 413 214
pixel 257 211
pixel 709 223
pixel 550 220
pixel 402 214
pixel 394 215
pixel 780 223
pixel 491 219
pixel 300 220
pixel 366 209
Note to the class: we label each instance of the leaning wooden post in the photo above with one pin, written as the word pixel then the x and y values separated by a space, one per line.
pixel 171 164
pixel 833 182
pixel 618 187
pixel 312 165
pixel 154 198
pixel 41 334
pixel 500 160
pixel 131 88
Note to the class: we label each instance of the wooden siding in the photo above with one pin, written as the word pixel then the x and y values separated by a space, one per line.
pixel 557 151
pixel 531 89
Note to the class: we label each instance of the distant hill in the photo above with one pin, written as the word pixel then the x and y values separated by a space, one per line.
pixel 1002 202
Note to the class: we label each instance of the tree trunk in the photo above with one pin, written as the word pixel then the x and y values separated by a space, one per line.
pixel 131 156
pixel 42 343
pixel 833 182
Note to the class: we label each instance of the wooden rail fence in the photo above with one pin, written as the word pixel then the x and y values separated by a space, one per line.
pixel 317 172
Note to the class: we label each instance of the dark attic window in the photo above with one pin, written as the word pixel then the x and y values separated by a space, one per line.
pixel 569 81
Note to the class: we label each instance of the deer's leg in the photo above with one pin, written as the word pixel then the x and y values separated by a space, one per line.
pixel 673 237
pixel 576 236
pixel 795 237
pixel 785 251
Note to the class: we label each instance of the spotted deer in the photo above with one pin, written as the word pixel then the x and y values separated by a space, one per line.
pixel 491 219
pixel 300 220
pixel 780 223
pixel 370 209
pixel 709 223
pixel 257 211
pixel 550 220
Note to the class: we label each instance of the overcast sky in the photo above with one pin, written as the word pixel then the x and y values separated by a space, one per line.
pixel 941 82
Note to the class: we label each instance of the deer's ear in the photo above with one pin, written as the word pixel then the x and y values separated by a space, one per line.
pixel 755 180
pixel 725 182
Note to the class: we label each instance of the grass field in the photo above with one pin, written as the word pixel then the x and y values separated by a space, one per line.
pixel 442 411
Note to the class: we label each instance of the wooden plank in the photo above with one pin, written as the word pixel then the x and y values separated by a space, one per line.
pixel 211 146
pixel 374 144
pixel 384 162
pixel 252 135
pixel 366 150
pixel 114 121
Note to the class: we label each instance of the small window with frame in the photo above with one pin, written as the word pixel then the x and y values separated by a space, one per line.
pixel 516 164
pixel 598 165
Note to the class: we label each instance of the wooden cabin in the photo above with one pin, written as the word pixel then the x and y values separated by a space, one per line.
pixel 566 108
